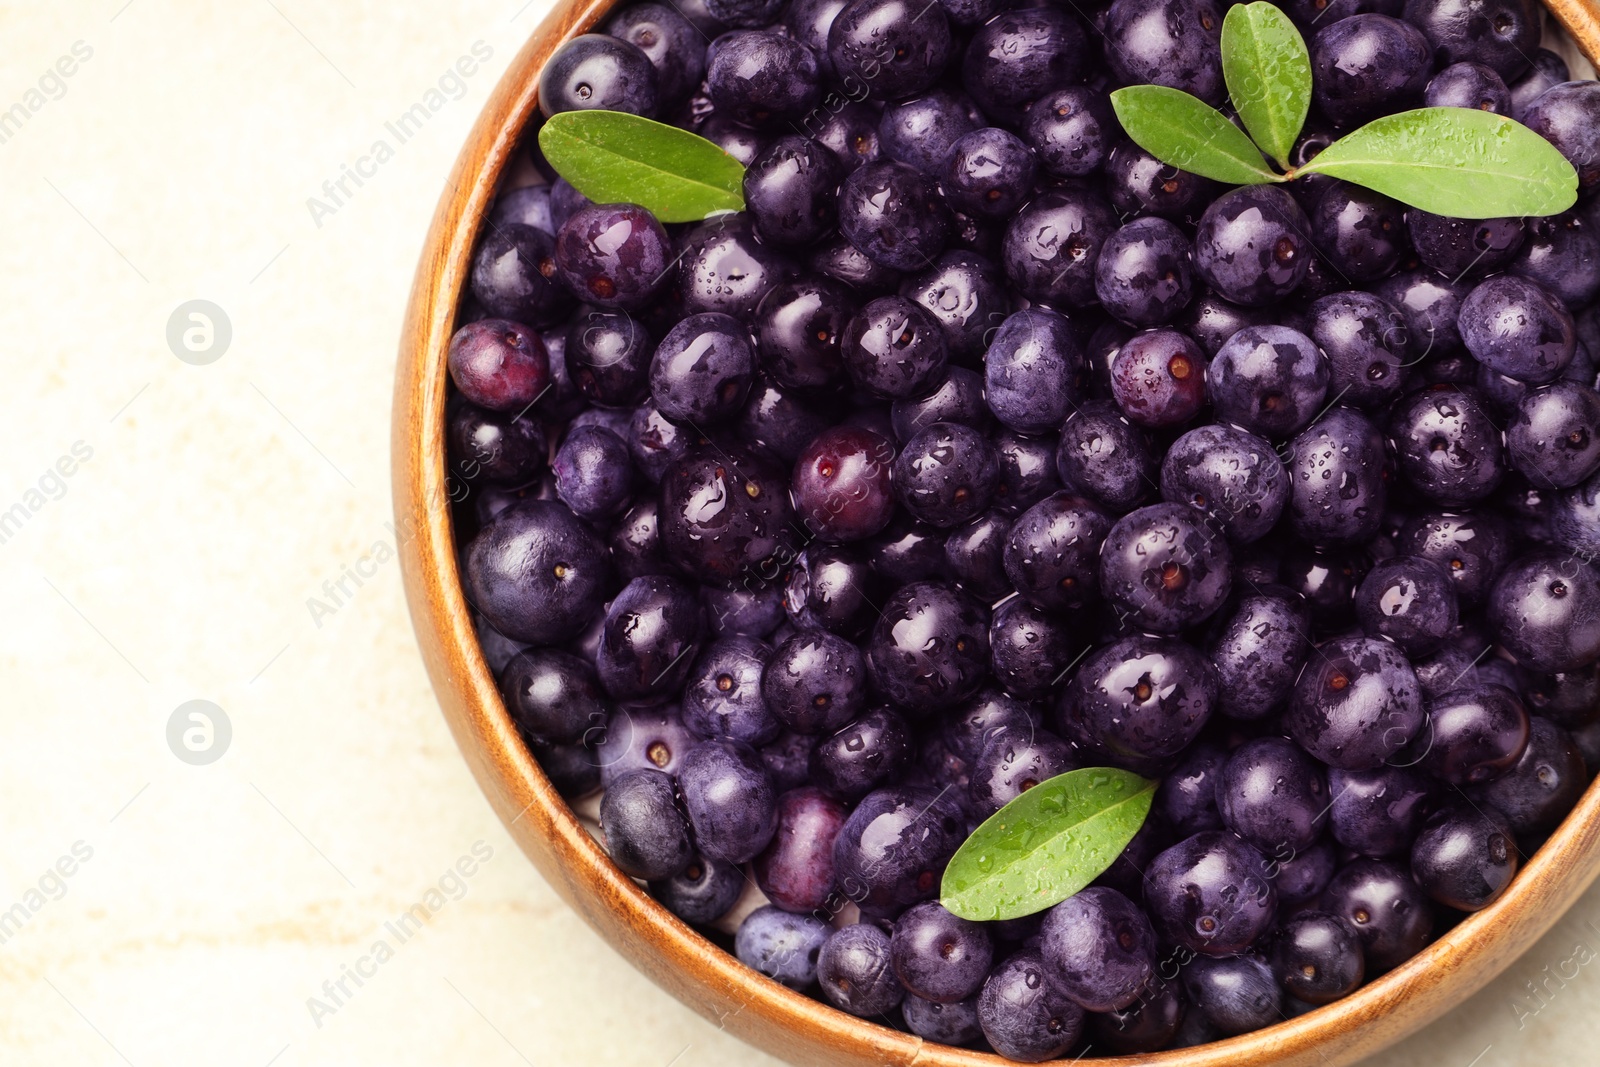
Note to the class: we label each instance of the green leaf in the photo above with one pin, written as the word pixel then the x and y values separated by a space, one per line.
pixel 1454 161
pixel 1190 134
pixel 1268 71
pixel 1046 844
pixel 611 157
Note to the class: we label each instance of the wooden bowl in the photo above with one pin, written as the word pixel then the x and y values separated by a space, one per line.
pixel 787 1024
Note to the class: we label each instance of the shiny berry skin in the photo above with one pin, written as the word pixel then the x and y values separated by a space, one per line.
pixel 894 214
pixel 1515 328
pixel 1163 569
pixel 920 131
pixel 669 40
pixel 1464 248
pixel 702 892
pixel 854 971
pixel 1447 445
pixel 1562 256
pixel 1252 245
pixel 1033 371
pixel 1139 183
pixel 498 364
pixel 908 551
pixel 842 484
pixel 553 696
pixel 1357 703
pixel 598 71
pixel 650 738
pixel 1389 914
pixel 514 275
pixel 725 516
pixel 1009 766
pixel 1568 116
pixel 958 399
pixel 789 189
pixel 1145 273
pixel 1367 344
pixel 945 475
pixel 1273 795
pixel 1158 378
pixel 944 1024
pixel 754 611
pixel 723 695
pixel 1546 71
pixel 762 80
pixel 1099 949
pixel 1360 233
pixel 724 268
pixel 607 357
pixel 1139 700
pixel 894 847
pixel 1302 877
pixel 966 292
pixel 613 255
pixel 528 204
pixel 1430 305
pixel 730 798
pixel 1317 957
pixel 1545 610
pixel 798 329
pixel 1554 437
pixel 1024 1017
pixel 1464 857
pixel 895 47
pixel 841 590
pixel 1477 733
pixel 1018 56
pixel 938 956
pixel 1472 549
pixel 851 133
pixel 988 173
pixel 868 753
pixel 930 648
pixel 537 572
pixel 795 870
pixel 1210 893
pixel 593 474
pixel 1543 785
pixel 815 682
pixel 1570 699
pixel 1027 647
pixel 1470 85
pixel 1234 477
pixel 702 369
pixel 495 448
pixel 1409 600
pixel 1176 44
pixel 894 348
pixel 1501 34
pixel 1337 477
pixel 1574 518
pixel 744 13
pixel 1186 798
pixel 781 945
pixel 1105 457
pixel 1071 130
pixel 1052 245
pixel 1027 470
pixel 652 632
pixel 646 834
pixel 1259 652
pixel 1235 995
pixel 1149 1024
pixel 1270 380
pixel 1367 65
pixel 988 714
pixel 1052 553
pixel 1378 812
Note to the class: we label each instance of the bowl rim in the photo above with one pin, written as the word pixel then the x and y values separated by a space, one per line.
pixel 713 982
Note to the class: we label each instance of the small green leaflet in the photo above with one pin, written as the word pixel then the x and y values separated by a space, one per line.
pixel 1190 134
pixel 1454 161
pixel 611 157
pixel 1268 71
pixel 1046 844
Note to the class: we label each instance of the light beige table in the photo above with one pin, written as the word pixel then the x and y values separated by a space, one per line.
pixel 195 552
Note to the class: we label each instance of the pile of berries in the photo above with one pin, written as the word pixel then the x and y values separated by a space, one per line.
pixel 983 446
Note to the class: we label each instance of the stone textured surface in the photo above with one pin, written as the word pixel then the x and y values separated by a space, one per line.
pixel 176 563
